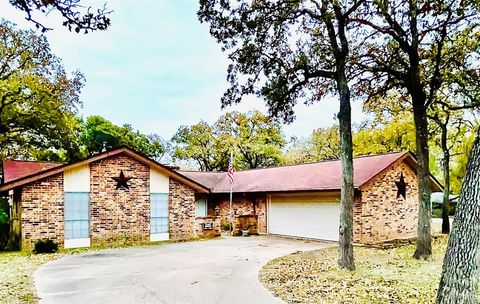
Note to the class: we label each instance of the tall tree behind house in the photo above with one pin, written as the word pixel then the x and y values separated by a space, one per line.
pixel 406 50
pixel 290 51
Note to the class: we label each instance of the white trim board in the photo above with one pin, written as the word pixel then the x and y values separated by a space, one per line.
pixel 159 182
pixel 77 179
pixel 77 243
pixel 155 237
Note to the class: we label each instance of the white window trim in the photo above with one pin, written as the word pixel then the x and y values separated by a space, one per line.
pixel 155 237
pixel 160 236
pixel 77 243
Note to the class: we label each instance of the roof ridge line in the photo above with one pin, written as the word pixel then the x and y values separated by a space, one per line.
pixel 34 161
pixel 292 165
pixel 319 162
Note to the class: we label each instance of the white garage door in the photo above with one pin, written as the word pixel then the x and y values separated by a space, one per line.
pixel 309 216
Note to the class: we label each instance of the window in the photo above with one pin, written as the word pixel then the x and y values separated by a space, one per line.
pixel 77 220
pixel 159 212
pixel 201 205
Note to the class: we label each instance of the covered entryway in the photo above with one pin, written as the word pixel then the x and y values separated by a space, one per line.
pixel 314 216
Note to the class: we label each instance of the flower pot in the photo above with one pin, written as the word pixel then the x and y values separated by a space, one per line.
pixel 245 232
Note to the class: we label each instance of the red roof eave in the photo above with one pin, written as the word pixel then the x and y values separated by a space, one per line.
pixel 144 159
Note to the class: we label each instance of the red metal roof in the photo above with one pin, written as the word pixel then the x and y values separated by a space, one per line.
pixel 15 169
pixel 324 175
pixel 306 177
pixel 19 173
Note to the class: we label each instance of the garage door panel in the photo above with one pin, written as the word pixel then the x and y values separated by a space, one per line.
pixel 311 219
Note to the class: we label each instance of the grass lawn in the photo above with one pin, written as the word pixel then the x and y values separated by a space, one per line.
pixel 17 268
pixel 382 276
pixel 16 275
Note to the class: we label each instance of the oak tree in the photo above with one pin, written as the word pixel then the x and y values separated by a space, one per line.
pixel 322 144
pixel 98 135
pixel 199 143
pixel 405 49
pixel 254 138
pixel 289 51
pixel 451 128
pixel 75 16
pixel 38 98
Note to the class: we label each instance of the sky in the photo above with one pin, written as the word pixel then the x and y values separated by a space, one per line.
pixel 158 68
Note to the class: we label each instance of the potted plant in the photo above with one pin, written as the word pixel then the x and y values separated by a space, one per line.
pixel 245 230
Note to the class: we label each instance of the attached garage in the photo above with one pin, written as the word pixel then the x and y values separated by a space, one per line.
pixel 314 215
pixel 304 200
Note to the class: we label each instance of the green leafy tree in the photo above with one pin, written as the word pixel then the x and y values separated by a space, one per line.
pixel 198 142
pixel 455 100
pixel 98 135
pixel 75 15
pixel 38 99
pixel 298 151
pixel 326 143
pixel 460 159
pixel 286 51
pixel 323 144
pixel 406 48
pixel 254 138
pixel 450 132
pixel 394 135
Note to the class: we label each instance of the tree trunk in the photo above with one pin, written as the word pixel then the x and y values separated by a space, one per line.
pixel 446 177
pixel 424 237
pixel 460 274
pixel 14 237
pixel 345 259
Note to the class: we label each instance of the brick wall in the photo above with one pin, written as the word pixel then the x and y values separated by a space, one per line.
pixel 384 217
pixel 214 221
pixel 357 216
pixel 119 215
pixel 242 204
pixel 116 215
pixel 182 211
pixel 42 211
pixel 245 222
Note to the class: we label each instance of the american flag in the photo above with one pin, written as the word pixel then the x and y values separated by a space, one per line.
pixel 230 170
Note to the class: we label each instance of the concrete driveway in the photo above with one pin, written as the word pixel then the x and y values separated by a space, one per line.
pixel 222 270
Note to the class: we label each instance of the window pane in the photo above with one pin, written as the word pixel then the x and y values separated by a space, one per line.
pixel 159 212
pixel 76 205
pixel 68 230
pixel 76 215
pixel 201 208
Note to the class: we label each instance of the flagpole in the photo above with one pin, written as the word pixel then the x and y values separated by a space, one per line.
pixel 231 190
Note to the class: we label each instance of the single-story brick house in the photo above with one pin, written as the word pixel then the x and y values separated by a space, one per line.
pixel 303 200
pixel 112 197
pixel 121 195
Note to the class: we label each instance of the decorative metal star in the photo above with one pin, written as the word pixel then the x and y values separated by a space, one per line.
pixel 401 187
pixel 122 180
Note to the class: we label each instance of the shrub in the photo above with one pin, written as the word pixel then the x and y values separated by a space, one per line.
pixel 437 212
pixel 4 223
pixel 45 246
pixel 226 226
